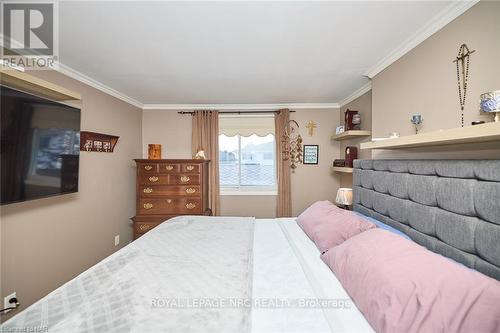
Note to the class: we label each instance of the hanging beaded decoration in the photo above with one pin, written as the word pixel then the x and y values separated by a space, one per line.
pixel 291 142
pixel 463 58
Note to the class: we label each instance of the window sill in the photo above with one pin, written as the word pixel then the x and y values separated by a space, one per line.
pixel 247 192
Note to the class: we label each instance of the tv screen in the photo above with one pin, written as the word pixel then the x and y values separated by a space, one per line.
pixel 40 147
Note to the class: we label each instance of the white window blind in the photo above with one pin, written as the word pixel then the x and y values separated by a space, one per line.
pixel 246 125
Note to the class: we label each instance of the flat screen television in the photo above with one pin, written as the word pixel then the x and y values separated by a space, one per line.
pixel 40 147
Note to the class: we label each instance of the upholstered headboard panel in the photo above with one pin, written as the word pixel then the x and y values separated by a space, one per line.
pixel 452 207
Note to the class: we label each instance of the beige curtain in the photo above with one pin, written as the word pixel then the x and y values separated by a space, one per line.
pixel 205 137
pixel 283 171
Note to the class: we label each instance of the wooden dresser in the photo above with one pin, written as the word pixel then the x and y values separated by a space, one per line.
pixel 169 188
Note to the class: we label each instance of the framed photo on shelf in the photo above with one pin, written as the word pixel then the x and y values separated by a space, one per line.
pixel 311 154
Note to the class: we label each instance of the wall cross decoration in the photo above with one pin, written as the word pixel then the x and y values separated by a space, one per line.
pixel 462 61
pixel 311 125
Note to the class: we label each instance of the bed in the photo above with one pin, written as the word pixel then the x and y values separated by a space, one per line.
pixel 236 274
pixel 272 262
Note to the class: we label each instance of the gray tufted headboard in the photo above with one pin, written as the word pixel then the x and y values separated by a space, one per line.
pixel 452 207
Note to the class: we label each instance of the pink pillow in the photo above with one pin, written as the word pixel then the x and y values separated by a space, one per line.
pixel 313 215
pixel 334 229
pixel 328 225
pixel 400 286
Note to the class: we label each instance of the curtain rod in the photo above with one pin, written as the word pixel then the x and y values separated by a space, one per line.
pixel 232 112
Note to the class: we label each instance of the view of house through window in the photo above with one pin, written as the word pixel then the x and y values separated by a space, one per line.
pixel 247 162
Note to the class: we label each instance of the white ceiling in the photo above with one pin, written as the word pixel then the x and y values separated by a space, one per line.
pixel 236 52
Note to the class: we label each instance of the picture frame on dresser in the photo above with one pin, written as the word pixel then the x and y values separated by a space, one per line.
pixel 166 188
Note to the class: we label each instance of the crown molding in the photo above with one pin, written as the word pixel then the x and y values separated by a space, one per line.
pixel 360 92
pixel 242 107
pixel 445 16
pixel 74 74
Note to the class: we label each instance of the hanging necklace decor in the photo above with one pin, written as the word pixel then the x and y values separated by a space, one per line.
pixel 292 144
pixel 462 61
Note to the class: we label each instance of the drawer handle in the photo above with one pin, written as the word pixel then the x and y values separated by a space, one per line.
pixel 190 168
pixel 190 190
pixel 169 201
pixel 169 167
pixel 148 167
pixel 190 205
pixel 153 179
pixel 147 190
pixel 185 179
pixel 144 227
pixel 147 205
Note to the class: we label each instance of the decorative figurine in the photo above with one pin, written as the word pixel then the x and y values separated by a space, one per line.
pixel 200 155
pixel 416 120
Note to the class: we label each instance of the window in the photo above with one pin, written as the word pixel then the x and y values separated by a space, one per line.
pixel 247 153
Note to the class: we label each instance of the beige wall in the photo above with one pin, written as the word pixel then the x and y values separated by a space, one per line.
pixel 46 242
pixel 309 182
pixel 424 81
pixel 363 104
pixel 168 128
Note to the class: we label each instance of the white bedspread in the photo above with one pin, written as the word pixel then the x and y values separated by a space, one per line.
pixel 197 274
pixel 162 282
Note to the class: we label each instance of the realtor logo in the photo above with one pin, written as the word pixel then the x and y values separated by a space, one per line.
pixel 29 31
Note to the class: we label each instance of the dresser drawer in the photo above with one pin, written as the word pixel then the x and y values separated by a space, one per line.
pixel 172 190
pixel 193 168
pixel 142 227
pixel 184 179
pixel 170 206
pixel 153 179
pixel 148 168
pixel 169 168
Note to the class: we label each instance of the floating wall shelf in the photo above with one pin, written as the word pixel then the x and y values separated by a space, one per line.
pixel 470 134
pixel 342 169
pixel 91 141
pixel 350 135
pixel 21 81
